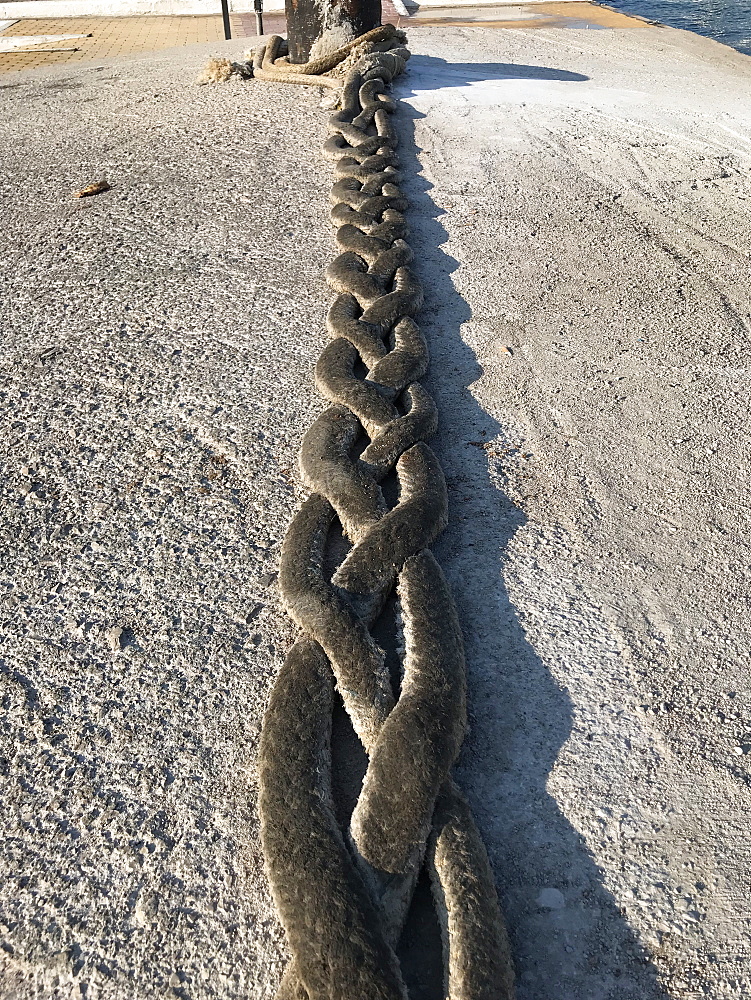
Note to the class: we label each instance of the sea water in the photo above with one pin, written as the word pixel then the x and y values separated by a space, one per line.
pixel 728 21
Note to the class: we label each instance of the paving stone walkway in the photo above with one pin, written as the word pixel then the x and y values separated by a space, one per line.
pixel 111 37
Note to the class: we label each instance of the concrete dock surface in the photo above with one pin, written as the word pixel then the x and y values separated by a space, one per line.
pixel 581 213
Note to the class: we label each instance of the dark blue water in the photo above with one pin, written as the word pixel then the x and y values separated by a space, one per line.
pixel 728 21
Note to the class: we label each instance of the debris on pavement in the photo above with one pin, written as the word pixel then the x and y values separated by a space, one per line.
pixel 220 70
pixel 98 187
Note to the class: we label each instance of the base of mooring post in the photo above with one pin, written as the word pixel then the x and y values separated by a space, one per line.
pixel 225 19
pixel 307 20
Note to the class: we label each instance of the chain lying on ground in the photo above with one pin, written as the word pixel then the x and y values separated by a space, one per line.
pixel 343 895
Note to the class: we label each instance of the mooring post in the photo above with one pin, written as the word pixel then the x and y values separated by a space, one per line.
pixel 308 20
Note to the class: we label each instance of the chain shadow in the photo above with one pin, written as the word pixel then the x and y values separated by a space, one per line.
pixel 569 938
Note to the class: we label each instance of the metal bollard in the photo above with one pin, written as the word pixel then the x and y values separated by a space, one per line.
pixel 225 18
pixel 258 8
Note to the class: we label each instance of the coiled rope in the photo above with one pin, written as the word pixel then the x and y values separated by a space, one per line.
pixel 343 894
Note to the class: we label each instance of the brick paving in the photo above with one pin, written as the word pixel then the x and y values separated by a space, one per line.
pixel 120 36
pixel 389 13
pixel 273 24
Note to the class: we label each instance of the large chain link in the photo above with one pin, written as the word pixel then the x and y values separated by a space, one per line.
pixel 343 895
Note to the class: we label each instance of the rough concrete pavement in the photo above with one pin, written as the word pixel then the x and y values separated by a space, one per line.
pixel 589 222
pixel 583 232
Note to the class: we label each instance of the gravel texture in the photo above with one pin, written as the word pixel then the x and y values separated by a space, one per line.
pixel 583 231
pixel 157 355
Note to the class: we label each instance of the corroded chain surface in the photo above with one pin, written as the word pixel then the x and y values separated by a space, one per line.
pixel 343 894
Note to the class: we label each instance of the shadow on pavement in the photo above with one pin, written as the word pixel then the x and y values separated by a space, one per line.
pixel 570 940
